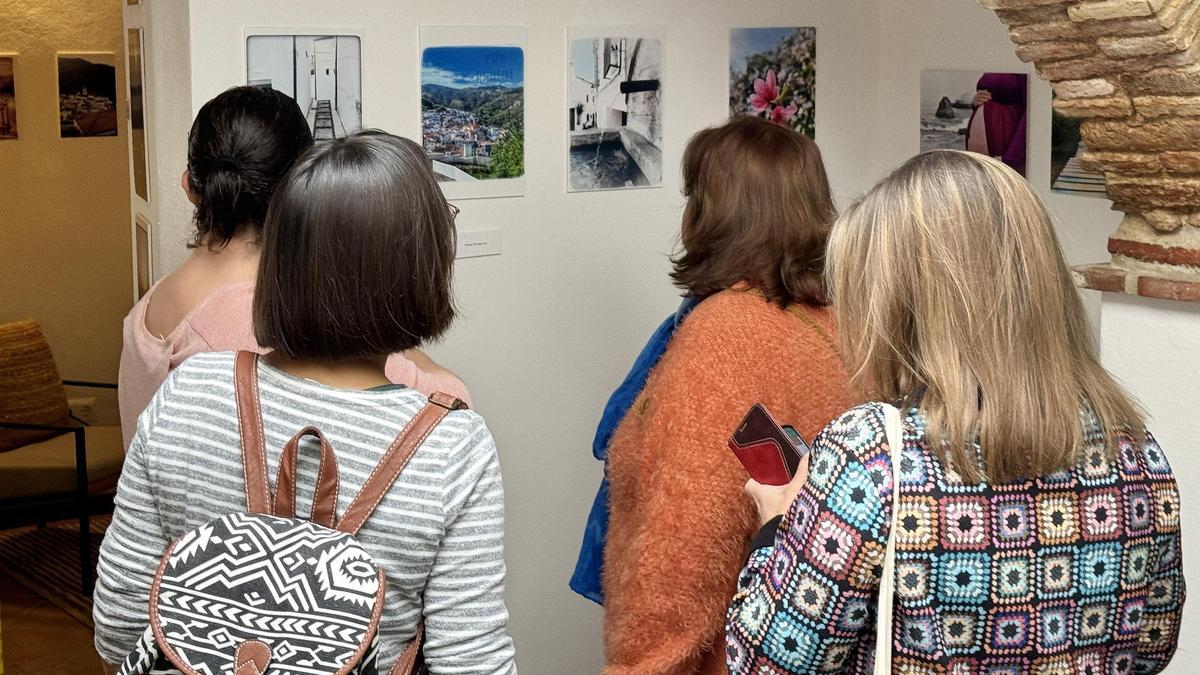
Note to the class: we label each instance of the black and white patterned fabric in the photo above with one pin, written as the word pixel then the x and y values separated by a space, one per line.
pixel 308 592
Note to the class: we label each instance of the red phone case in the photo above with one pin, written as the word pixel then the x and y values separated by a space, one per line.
pixel 764 449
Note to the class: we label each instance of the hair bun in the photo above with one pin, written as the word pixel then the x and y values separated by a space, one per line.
pixel 241 143
pixel 226 163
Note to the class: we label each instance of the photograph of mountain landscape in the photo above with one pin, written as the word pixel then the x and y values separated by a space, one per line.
pixel 87 95
pixel 473 111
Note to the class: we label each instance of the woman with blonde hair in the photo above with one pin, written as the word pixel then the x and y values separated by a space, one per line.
pixel 1037 521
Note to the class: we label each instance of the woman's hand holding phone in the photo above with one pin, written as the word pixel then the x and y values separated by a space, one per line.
pixel 776 457
pixel 775 500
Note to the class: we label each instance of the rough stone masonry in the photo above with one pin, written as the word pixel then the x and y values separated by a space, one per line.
pixel 1131 70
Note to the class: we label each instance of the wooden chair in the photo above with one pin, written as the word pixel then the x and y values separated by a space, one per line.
pixel 52 467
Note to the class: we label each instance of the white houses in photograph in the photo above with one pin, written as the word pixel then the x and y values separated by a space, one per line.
pixel 614 115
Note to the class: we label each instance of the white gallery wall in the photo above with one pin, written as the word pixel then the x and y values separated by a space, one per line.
pixel 550 326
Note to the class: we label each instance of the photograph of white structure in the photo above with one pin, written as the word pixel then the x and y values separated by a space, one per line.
pixel 614 112
pixel 323 73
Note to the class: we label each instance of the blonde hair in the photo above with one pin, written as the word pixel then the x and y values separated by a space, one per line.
pixel 949 285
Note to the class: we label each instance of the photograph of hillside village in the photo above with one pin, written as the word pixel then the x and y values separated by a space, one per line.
pixel 473 111
pixel 87 95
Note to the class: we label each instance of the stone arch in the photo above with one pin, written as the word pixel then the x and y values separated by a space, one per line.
pixel 1131 70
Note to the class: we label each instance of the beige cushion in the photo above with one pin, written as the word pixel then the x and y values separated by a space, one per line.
pixel 30 389
pixel 48 467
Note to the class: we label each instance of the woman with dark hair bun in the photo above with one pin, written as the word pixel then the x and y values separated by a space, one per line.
pixel 240 147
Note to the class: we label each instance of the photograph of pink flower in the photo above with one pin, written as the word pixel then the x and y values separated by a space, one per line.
pixel 773 75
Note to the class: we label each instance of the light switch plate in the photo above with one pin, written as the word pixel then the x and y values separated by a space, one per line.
pixel 476 243
pixel 83 409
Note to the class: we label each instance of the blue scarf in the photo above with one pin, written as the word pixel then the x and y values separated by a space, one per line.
pixel 586 580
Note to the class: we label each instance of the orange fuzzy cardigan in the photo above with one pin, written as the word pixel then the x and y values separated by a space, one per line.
pixel 680 522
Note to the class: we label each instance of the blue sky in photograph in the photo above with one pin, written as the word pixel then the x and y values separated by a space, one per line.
pixel 583 58
pixel 746 42
pixel 464 67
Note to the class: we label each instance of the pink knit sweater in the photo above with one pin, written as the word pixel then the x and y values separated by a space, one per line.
pixel 221 322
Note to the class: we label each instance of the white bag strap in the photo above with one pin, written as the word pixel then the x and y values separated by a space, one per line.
pixel 887 582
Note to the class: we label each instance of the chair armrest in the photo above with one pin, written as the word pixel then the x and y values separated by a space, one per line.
pixel 41 427
pixel 81 469
pixel 85 383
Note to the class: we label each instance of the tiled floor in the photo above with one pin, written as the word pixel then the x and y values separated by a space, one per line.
pixel 39 638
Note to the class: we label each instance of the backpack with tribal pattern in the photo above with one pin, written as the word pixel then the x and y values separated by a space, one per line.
pixel 262 591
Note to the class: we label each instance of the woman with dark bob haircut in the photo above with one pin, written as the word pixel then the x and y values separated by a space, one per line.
pixel 757 330
pixel 357 254
pixel 241 144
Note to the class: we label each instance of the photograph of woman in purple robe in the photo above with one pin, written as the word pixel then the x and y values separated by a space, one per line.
pixel 979 112
pixel 997 126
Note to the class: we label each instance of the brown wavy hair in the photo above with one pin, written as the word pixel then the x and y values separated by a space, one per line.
pixel 759 211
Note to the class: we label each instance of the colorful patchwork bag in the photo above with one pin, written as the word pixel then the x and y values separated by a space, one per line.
pixel 265 592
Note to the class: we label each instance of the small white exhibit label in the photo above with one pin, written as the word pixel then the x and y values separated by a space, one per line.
pixel 476 243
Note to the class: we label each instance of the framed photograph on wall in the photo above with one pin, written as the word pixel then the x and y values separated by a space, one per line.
pixel 137 112
pixel 142 258
pixel 983 112
pixel 321 71
pixel 1067 175
pixel 87 94
pixel 8 97
pixel 773 74
pixel 473 108
pixel 614 108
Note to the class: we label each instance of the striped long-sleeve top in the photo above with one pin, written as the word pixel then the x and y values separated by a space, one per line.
pixel 438 533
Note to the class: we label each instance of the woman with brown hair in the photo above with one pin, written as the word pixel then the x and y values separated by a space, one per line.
pixel 1035 522
pixel 754 229
pixel 357 258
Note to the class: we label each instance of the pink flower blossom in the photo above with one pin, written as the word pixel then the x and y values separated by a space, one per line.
pixel 765 92
pixel 782 116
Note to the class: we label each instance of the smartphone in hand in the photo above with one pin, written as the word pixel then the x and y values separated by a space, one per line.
pixel 771 453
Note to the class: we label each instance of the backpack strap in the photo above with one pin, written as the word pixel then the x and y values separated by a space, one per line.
pixel 395 459
pixel 412 658
pixel 326 494
pixel 254 454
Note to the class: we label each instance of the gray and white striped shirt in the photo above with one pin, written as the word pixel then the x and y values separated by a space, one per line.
pixel 438 534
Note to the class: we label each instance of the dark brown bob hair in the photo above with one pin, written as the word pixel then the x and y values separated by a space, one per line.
pixel 758 210
pixel 357 252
